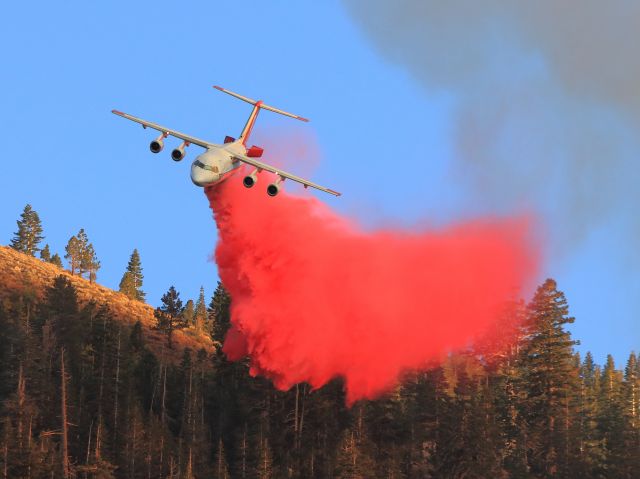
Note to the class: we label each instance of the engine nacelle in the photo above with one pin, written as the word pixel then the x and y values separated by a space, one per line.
pixel 178 154
pixel 250 180
pixel 157 145
pixel 274 188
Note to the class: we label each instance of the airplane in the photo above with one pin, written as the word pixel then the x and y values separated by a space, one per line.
pixel 218 162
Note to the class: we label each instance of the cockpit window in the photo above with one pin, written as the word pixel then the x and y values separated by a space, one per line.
pixel 206 167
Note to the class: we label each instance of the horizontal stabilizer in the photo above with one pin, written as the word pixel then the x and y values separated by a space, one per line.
pixel 259 104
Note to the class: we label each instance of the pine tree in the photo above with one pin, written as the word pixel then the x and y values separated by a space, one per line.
pixel 168 316
pixel 66 467
pixel 29 232
pixel 73 254
pixel 45 254
pixel 354 460
pixel 386 422
pixel 88 259
pixel 60 317
pixel 90 262
pixel 127 285
pixel 611 420
pixel 221 469
pixel 60 303
pixel 219 316
pixel 200 318
pixel 590 446
pixel 83 256
pixel 188 314
pixel 550 381
pixel 631 414
pixel 632 392
pixel 20 412
pixel 55 259
pixel 265 462
pixel 507 389
pixel 471 421
pixel 136 338
pixel 131 282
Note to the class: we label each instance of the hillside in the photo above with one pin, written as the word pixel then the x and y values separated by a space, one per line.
pixel 76 401
pixel 20 273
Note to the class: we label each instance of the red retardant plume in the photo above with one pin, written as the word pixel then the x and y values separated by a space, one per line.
pixel 314 297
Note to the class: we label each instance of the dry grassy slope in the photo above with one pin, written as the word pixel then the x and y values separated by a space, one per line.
pixel 20 273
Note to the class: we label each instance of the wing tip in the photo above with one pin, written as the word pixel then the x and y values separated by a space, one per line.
pixel 117 112
pixel 335 193
pixel 218 87
pixel 302 119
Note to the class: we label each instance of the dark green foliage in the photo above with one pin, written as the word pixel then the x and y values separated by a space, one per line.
pixel 56 260
pixel 73 254
pixel 127 285
pixel 631 415
pixel 45 254
pixel 90 263
pixel 136 338
pixel 539 411
pixel 83 253
pixel 200 314
pixel 81 256
pixel 549 379
pixel 591 456
pixel 610 420
pixel 29 232
pixel 356 451
pixel 131 282
pixel 169 315
pixel 189 314
pixel 219 315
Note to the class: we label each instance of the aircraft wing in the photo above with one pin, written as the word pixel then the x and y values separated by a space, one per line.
pixel 162 129
pixel 282 174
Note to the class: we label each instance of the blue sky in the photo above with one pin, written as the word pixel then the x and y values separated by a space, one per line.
pixel 384 141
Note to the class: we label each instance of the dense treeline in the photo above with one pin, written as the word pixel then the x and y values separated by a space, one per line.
pixel 82 396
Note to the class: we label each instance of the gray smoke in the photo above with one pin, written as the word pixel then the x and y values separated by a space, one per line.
pixel 548 98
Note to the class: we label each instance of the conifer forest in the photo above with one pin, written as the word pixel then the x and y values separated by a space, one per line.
pixel 82 395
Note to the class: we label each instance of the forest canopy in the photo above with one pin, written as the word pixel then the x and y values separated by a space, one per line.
pixel 82 395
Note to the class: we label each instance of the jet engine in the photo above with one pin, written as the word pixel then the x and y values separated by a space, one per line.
pixel 157 145
pixel 274 188
pixel 250 180
pixel 178 153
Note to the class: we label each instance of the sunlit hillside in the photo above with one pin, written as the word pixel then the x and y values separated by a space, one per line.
pixel 24 274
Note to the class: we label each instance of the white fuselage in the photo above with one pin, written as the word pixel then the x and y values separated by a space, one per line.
pixel 219 162
pixel 214 164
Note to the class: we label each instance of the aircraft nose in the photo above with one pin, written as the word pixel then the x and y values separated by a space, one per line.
pixel 202 177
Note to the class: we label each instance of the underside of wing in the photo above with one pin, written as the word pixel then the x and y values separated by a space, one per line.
pixel 163 130
pixel 283 174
